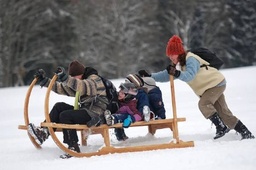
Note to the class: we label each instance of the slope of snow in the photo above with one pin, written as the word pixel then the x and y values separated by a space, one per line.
pixel 229 152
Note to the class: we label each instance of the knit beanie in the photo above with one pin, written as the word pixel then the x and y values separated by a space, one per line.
pixel 174 46
pixel 76 68
pixel 149 83
pixel 135 79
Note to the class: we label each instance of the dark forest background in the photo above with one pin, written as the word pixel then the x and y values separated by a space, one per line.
pixel 118 37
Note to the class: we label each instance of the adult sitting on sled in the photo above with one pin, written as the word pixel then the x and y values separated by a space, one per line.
pixel 93 102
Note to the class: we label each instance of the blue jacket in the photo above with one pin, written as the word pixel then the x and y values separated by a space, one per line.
pixel 192 67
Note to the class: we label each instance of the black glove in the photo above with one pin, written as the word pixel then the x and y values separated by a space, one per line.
pixel 40 75
pixel 144 73
pixel 172 71
pixel 62 76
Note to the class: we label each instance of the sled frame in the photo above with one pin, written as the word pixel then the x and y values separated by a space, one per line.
pixel 107 148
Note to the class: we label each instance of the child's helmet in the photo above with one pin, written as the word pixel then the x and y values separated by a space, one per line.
pixel 129 90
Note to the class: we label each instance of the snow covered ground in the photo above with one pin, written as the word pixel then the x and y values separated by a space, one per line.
pixel 17 152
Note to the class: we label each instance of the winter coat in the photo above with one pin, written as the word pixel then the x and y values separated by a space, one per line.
pixel 198 78
pixel 156 103
pixel 130 107
pixel 91 90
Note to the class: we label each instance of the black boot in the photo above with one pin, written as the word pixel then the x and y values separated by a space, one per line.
pixel 120 134
pixel 221 129
pixel 242 129
pixel 74 147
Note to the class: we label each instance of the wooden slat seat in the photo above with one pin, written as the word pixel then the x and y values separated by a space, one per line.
pixel 153 125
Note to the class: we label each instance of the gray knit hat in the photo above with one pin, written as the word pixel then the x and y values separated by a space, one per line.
pixel 149 83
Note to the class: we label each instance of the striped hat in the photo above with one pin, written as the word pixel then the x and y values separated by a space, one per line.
pixel 135 79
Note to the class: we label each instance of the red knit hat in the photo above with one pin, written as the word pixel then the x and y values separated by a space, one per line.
pixel 174 46
pixel 76 68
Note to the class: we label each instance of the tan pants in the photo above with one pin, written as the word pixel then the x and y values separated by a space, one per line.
pixel 212 101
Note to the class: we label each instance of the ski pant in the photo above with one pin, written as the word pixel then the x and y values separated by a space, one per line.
pixel 212 101
pixel 120 117
pixel 120 134
pixel 65 113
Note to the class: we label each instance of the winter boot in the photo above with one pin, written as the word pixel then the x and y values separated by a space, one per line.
pixel 221 129
pixel 146 113
pixel 120 134
pixel 38 133
pixel 109 118
pixel 74 147
pixel 242 129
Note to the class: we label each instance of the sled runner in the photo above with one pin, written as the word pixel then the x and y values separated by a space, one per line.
pixel 26 116
pixel 104 130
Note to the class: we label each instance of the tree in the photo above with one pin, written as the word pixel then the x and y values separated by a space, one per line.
pixel 241 23
pixel 115 34
pixel 118 37
pixel 35 34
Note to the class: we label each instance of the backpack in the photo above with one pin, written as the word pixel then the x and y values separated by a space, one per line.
pixel 208 56
pixel 112 95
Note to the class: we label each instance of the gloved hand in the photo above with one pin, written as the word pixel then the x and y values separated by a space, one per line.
pixel 172 71
pixel 62 76
pixel 127 122
pixel 40 75
pixel 144 73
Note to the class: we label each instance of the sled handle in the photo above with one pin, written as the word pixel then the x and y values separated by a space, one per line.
pixel 174 111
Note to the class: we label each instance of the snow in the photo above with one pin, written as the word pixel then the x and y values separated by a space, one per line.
pixel 229 152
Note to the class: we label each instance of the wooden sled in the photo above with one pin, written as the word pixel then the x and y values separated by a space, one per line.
pixel 107 148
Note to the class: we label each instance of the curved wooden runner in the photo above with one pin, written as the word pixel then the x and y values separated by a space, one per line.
pixel 26 116
pixel 48 120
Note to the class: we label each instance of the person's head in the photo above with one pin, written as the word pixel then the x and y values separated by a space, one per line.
pixel 127 91
pixel 135 79
pixel 76 69
pixel 149 83
pixel 174 48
